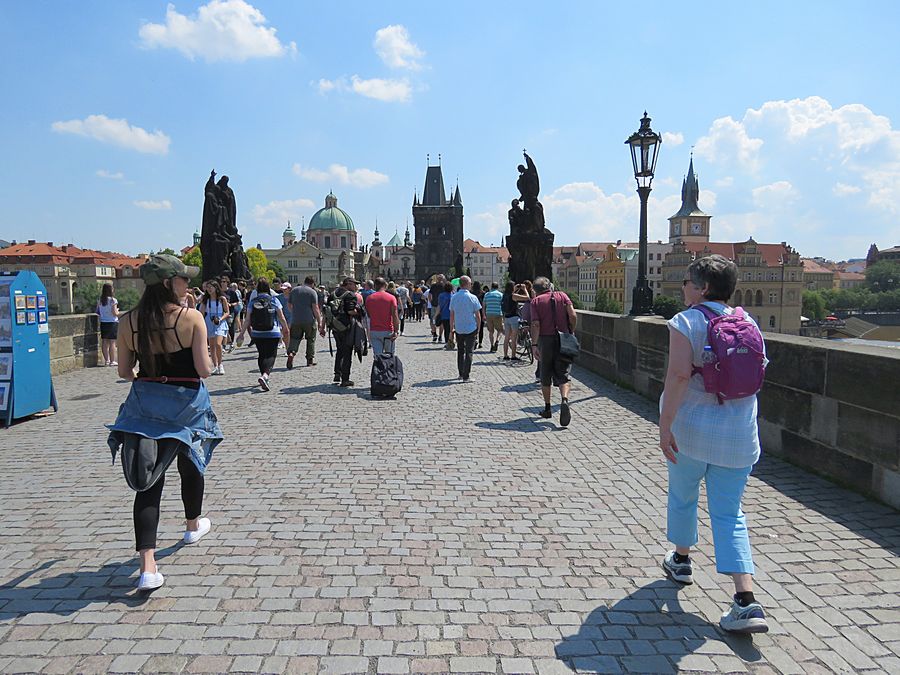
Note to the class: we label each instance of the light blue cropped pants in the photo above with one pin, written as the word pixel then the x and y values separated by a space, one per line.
pixel 724 489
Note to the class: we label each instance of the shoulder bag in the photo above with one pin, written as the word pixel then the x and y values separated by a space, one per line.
pixel 568 342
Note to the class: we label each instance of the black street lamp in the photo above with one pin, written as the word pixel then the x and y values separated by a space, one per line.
pixel 319 259
pixel 644 144
pixel 469 264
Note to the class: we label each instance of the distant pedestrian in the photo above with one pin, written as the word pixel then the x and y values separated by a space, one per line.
pixel 283 293
pixel 381 308
pixel 108 309
pixel 267 327
pixel 465 320
pixel 706 438
pixel 168 406
pixel 435 290
pixel 444 307
pixel 493 314
pixel 417 294
pixel 214 308
pixel 235 312
pixel 404 304
pixel 510 322
pixel 349 313
pixel 306 320
pixel 552 313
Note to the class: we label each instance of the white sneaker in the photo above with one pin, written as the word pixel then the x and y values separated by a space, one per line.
pixel 263 382
pixel 221 369
pixel 194 537
pixel 150 581
pixel 113 363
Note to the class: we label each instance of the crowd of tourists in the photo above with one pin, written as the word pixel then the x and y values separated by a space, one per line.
pixel 176 337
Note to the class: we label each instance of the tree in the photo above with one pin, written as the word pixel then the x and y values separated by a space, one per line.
pixel 604 303
pixel 87 295
pixel 128 299
pixel 168 251
pixel 883 276
pixel 259 264
pixel 666 307
pixel 575 298
pixel 277 270
pixel 814 305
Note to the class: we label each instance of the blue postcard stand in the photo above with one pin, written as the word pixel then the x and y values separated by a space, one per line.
pixel 25 384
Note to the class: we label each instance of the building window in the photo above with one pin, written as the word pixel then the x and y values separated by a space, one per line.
pixel 343 242
pixel 773 298
pixel 772 321
pixel 327 242
pixel 759 298
pixel 748 276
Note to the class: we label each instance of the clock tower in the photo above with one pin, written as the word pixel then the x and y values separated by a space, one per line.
pixel 690 224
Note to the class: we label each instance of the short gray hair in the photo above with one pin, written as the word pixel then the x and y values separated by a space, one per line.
pixel 717 271
pixel 541 285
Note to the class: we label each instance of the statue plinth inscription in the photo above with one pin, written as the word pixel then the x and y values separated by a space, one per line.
pixel 529 242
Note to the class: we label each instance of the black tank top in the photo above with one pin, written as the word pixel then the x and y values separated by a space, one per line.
pixel 179 364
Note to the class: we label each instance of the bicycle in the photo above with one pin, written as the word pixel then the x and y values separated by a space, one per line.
pixel 523 342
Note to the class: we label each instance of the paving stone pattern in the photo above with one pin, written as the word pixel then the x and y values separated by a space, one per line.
pixel 451 530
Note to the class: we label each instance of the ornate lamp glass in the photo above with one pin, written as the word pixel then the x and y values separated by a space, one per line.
pixel 644 144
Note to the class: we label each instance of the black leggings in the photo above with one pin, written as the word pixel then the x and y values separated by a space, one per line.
pixel 266 350
pixel 146 504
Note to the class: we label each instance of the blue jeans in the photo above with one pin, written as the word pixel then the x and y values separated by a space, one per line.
pixel 724 489
pixel 380 341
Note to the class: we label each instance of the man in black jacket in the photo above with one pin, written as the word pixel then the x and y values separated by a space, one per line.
pixel 349 309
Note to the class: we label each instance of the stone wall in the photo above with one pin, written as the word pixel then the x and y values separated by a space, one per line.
pixel 831 408
pixel 74 342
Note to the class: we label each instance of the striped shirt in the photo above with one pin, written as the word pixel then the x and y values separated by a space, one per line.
pixel 492 302
pixel 723 435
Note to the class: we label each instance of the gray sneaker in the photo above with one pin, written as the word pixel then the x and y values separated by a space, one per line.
pixel 683 573
pixel 749 619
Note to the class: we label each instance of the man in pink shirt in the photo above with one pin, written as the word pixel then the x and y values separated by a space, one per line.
pixel 551 313
pixel 384 319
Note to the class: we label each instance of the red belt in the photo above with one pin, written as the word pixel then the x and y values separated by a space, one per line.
pixel 165 379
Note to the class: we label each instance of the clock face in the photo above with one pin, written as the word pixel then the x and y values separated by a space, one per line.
pixel 695 228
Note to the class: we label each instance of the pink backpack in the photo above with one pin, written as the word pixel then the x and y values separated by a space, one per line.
pixel 736 367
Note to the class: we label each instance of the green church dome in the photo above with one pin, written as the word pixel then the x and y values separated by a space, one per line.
pixel 331 217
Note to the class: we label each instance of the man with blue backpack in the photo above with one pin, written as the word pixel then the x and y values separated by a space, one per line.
pixel 267 327
pixel 708 431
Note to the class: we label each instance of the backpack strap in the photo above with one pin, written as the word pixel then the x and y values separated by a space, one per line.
pixel 708 312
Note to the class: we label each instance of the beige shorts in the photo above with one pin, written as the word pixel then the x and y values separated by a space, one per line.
pixel 495 323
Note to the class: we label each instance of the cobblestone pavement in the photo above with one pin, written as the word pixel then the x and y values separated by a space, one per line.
pixel 451 530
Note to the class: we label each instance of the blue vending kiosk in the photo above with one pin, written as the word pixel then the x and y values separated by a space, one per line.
pixel 25 384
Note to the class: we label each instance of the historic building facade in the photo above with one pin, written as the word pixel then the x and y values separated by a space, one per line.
pixel 770 276
pixel 438 224
pixel 325 249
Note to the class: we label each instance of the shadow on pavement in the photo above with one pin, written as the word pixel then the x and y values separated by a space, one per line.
pixel 526 424
pixel 437 383
pixel 69 592
pixel 324 388
pixel 599 644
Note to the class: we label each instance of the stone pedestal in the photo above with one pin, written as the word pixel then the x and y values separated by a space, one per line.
pixel 530 255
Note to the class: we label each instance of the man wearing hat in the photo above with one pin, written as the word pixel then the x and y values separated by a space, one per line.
pixel 350 313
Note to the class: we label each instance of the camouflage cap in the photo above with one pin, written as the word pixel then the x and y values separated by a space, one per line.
pixel 164 266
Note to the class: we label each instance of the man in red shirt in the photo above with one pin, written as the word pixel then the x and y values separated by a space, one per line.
pixel 381 308
pixel 551 313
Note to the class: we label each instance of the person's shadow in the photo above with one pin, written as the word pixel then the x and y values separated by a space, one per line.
pixel 67 592
pixel 658 631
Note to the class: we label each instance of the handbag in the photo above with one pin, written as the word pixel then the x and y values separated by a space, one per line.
pixel 568 342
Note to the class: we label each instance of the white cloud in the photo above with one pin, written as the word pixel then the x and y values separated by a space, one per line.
pixel 727 142
pixel 673 139
pixel 725 182
pixel 381 89
pixel 774 195
pixel 393 46
pixel 117 132
pixel 324 86
pixel 222 30
pixel 360 178
pixel 278 213
pixel 103 173
pixel 843 190
pixel 147 205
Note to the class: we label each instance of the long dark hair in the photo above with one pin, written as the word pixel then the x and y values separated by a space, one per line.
pixel 151 321
pixel 262 286
pixel 206 296
pixel 106 294
pixel 510 287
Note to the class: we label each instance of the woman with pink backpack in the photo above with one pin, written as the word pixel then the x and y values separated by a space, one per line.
pixel 708 430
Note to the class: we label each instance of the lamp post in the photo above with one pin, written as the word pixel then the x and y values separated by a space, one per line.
pixel 469 264
pixel 319 260
pixel 644 145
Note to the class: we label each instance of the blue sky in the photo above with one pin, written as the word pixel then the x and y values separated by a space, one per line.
pixel 116 112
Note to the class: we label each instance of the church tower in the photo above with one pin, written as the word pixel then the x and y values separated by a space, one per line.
pixel 690 224
pixel 438 224
pixel 377 249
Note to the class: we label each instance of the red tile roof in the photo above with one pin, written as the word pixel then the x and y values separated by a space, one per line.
pixel 812 267
pixel 771 253
pixel 35 252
